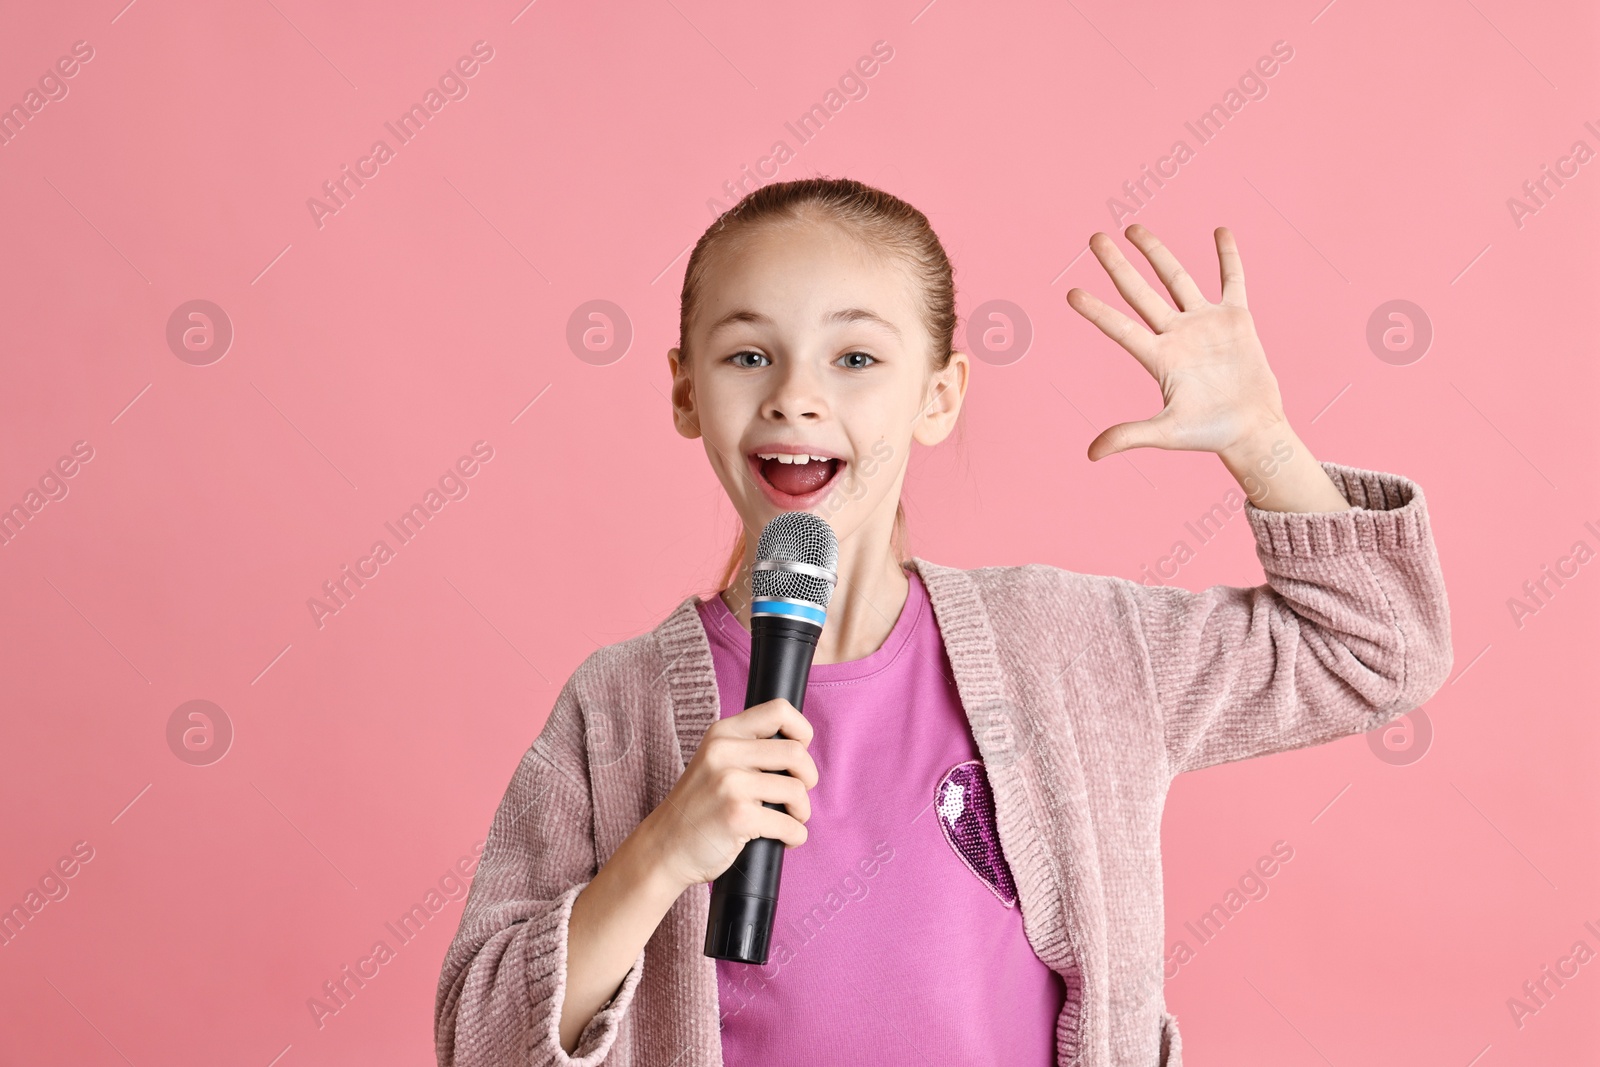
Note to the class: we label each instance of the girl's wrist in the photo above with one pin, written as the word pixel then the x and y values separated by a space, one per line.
pixel 1278 473
pixel 1267 433
pixel 646 866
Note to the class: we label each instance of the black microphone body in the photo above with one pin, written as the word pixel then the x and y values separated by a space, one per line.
pixel 744 898
pixel 791 585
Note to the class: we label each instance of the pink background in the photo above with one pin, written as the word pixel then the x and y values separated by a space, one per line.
pixel 430 312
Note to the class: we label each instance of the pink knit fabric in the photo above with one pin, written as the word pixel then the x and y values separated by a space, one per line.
pixel 891 945
pixel 1084 694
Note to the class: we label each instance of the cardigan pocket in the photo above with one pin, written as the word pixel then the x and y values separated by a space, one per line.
pixel 1171 1043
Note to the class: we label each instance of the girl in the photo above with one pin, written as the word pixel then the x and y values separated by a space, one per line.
pixel 985 753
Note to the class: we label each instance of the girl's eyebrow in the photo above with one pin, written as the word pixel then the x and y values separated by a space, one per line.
pixel 861 315
pixel 842 315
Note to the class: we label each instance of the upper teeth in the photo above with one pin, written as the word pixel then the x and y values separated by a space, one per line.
pixel 785 457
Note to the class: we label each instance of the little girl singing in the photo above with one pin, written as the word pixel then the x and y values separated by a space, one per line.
pixel 973 797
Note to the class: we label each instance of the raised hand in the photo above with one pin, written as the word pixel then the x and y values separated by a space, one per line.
pixel 1216 388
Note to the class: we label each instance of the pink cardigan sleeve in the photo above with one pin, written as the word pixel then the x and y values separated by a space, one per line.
pixel 504 974
pixel 1351 629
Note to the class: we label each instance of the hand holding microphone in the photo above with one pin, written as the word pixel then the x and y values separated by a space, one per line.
pixel 725 800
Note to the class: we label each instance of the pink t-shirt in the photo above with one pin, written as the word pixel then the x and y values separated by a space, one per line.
pixel 898 937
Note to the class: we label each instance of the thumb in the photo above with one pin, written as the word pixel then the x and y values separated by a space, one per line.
pixel 1148 433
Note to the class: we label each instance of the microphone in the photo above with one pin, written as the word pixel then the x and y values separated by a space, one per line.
pixel 796 566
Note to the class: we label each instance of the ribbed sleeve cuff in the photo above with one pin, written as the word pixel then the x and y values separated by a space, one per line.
pixel 1387 513
pixel 545 958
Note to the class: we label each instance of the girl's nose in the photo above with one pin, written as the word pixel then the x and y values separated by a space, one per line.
pixel 796 395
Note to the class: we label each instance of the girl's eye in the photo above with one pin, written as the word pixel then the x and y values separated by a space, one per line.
pixel 859 366
pixel 737 357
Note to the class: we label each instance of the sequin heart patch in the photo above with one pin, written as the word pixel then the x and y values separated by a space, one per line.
pixel 965 806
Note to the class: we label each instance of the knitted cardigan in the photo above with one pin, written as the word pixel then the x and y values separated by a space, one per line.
pixel 1086 696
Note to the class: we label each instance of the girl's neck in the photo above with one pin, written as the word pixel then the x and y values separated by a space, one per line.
pixel 866 602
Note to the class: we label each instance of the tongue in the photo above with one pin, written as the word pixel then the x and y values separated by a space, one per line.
pixel 797 479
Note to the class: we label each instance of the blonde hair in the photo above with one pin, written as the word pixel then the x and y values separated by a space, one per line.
pixel 882 222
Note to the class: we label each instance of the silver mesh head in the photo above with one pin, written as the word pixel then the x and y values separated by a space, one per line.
pixel 801 537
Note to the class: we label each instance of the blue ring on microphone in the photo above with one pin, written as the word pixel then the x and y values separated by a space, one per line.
pixel 790 610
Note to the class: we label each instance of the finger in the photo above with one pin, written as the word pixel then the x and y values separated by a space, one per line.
pixel 780 827
pixel 800 765
pixel 1150 433
pixel 794 724
pixel 1232 268
pixel 1151 306
pixel 1115 325
pixel 1177 280
pixel 781 789
pixel 775 754
pixel 769 718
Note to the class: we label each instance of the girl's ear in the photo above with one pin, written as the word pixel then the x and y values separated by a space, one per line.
pixel 946 389
pixel 684 418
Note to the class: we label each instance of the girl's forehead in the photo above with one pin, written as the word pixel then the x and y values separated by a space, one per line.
pixel 806 275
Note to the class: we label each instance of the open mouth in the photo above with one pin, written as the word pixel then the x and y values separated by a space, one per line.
pixel 792 481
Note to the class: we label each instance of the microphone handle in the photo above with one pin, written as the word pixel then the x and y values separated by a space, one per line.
pixel 744 898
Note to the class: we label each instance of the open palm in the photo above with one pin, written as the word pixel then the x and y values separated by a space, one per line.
pixel 1216 387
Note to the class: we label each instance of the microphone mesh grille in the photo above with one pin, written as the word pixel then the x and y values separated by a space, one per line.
pixel 801 537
